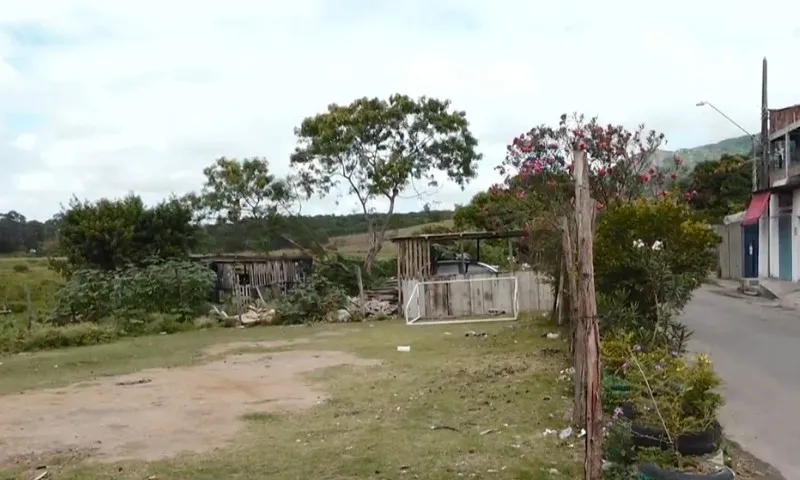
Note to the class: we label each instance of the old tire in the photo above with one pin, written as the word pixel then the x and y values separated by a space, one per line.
pixel 693 443
pixel 651 472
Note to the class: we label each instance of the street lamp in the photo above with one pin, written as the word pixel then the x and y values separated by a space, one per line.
pixel 752 137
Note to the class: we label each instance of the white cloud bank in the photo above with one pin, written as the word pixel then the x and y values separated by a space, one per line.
pixel 100 98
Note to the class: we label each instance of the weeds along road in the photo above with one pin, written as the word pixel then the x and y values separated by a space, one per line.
pixel 755 346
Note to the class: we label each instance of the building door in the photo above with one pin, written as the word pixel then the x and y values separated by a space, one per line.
pixel 785 247
pixel 750 247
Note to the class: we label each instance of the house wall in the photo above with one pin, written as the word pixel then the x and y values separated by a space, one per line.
pixel 768 236
pixel 774 265
pixel 795 235
pixel 763 246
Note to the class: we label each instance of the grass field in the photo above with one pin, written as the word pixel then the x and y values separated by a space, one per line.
pixel 321 402
pixel 23 276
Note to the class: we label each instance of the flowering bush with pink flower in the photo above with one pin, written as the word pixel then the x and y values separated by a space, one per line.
pixel 622 163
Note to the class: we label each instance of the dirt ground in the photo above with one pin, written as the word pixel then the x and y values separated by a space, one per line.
pixel 159 413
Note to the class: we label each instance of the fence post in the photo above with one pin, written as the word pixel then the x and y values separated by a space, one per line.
pixel 180 295
pixel 30 308
pixel 585 215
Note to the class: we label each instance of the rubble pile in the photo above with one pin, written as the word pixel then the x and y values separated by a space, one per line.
pixel 254 315
pixel 373 307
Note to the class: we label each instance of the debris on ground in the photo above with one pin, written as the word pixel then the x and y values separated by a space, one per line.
pixel 476 334
pixel 552 335
pixel 254 315
pixel 566 374
pixel 403 348
pixel 341 315
pixel 139 381
pixel 372 307
pixel 443 427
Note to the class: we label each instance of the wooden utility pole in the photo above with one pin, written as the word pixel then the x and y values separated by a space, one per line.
pixel 763 180
pixel 585 210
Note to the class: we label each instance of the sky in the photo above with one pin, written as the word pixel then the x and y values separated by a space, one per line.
pixel 102 98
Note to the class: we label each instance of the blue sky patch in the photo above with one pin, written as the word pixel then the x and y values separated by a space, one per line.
pixel 33 35
pixel 23 122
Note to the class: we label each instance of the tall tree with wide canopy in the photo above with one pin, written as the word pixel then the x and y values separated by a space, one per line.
pixel 245 196
pixel 376 149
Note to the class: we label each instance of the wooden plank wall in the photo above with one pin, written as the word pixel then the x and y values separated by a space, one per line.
pixel 272 274
pixel 730 251
pixel 484 296
pixel 413 258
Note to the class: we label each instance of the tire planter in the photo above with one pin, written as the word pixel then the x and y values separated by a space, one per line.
pixel 651 472
pixel 692 443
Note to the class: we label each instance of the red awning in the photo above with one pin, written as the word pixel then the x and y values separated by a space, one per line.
pixel 757 207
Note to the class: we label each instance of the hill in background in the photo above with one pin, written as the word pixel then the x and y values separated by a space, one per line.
pixel 692 156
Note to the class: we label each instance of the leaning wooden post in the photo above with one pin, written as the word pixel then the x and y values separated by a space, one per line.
pixel 585 214
pixel 577 334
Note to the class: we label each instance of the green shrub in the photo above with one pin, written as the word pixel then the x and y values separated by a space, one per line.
pixel 153 323
pixel 47 337
pixel 688 242
pixel 649 257
pixel 311 301
pixel 21 268
pixel 173 287
pixel 342 272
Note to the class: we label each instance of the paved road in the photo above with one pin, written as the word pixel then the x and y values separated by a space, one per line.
pixel 755 347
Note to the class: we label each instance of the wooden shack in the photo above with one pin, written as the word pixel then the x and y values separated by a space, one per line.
pixel 427 294
pixel 253 275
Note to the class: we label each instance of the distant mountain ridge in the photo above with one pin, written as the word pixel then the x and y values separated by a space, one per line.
pixel 692 156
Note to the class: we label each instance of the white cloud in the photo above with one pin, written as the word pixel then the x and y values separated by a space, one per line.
pixel 140 96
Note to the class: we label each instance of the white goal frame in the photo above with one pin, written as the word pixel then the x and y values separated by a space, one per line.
pixel 414 297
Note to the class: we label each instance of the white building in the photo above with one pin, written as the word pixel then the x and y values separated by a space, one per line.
pixel 773 248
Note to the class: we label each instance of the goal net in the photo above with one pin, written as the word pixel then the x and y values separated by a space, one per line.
pixel 462 300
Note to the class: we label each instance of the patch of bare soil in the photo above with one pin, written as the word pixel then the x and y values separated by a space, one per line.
pixel 161 412
pixel 225 348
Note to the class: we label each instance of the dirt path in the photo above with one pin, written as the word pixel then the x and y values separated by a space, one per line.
pixel 161 412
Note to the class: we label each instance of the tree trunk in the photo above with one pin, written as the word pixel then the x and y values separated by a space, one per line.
pixel 376 237
pixel 585 210
pixel 577 336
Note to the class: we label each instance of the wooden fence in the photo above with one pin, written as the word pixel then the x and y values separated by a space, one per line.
pixel 476 295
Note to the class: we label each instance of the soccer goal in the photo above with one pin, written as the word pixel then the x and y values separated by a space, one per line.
pixel 463 300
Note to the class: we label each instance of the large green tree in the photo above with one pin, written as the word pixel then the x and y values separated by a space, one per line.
pixel 110 234
pixel 237 189
pixel 249 201
pixel 375 149
pixel 721 187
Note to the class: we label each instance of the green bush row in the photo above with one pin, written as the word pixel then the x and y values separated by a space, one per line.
pixel 171 287
pixel 47 337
